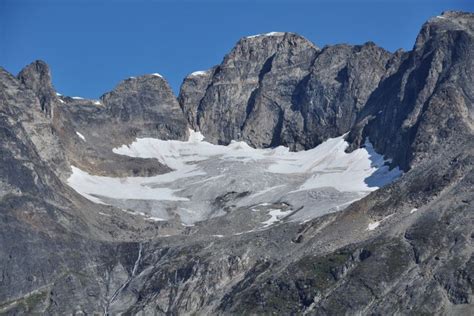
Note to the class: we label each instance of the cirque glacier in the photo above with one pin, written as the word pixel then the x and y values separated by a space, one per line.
pixel 309 183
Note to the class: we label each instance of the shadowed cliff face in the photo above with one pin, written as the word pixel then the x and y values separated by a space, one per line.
pixel 405 248
pixel 426 106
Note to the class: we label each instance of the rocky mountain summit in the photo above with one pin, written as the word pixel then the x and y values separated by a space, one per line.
pixel 289 179
pixel 280 89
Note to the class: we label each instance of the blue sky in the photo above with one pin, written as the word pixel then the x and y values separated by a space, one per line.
pixel 91 45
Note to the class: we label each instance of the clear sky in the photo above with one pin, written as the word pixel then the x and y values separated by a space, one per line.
pixel 91 45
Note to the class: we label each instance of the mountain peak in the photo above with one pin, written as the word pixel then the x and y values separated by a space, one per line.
pixel 149 82
pixel 448 21
pixel 39 66
pixel 37 77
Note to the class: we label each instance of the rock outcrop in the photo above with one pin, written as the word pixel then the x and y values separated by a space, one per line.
pixel 37 77
pixel 147 105
pixel 426 106
pixel 82 132
pixel 280 89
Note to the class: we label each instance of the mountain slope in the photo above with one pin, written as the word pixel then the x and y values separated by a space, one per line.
pixel 404 248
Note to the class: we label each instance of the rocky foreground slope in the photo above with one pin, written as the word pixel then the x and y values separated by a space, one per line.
pixel 406 248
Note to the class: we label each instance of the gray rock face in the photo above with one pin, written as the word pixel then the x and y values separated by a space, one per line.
pixel 403 249
pixel 138 107
pixel 52 241
pixel 37 78
pixel 237 85
pixel 24 105
pixel 192 91
pixel 326 102
pixel 148 104
pixel 281 89
pixel 426 106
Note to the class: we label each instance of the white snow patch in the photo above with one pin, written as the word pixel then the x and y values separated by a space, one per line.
pixel 275 34
pixel 104 214
pixel 360 170
pixel 155 219
pixel 276 216
pixel 157 75
pixel 373 225
pixel 135 213
pixel 199 73
pixel 58 94
pixel 195 137
pixel 218 236
pixel 267 34
pixel 77 98
pixel 245 232
pixel 441 17
pixel 61 101
pixel 376 224
pixel 131 188
pixel 97 102
pixel 413 210
pixel 81 136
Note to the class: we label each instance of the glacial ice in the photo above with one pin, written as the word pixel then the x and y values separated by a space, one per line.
pixel 318 181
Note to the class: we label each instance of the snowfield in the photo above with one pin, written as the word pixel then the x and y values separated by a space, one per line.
pixel 317 181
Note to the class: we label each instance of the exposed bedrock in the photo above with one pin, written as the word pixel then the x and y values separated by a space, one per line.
pixel 406 248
